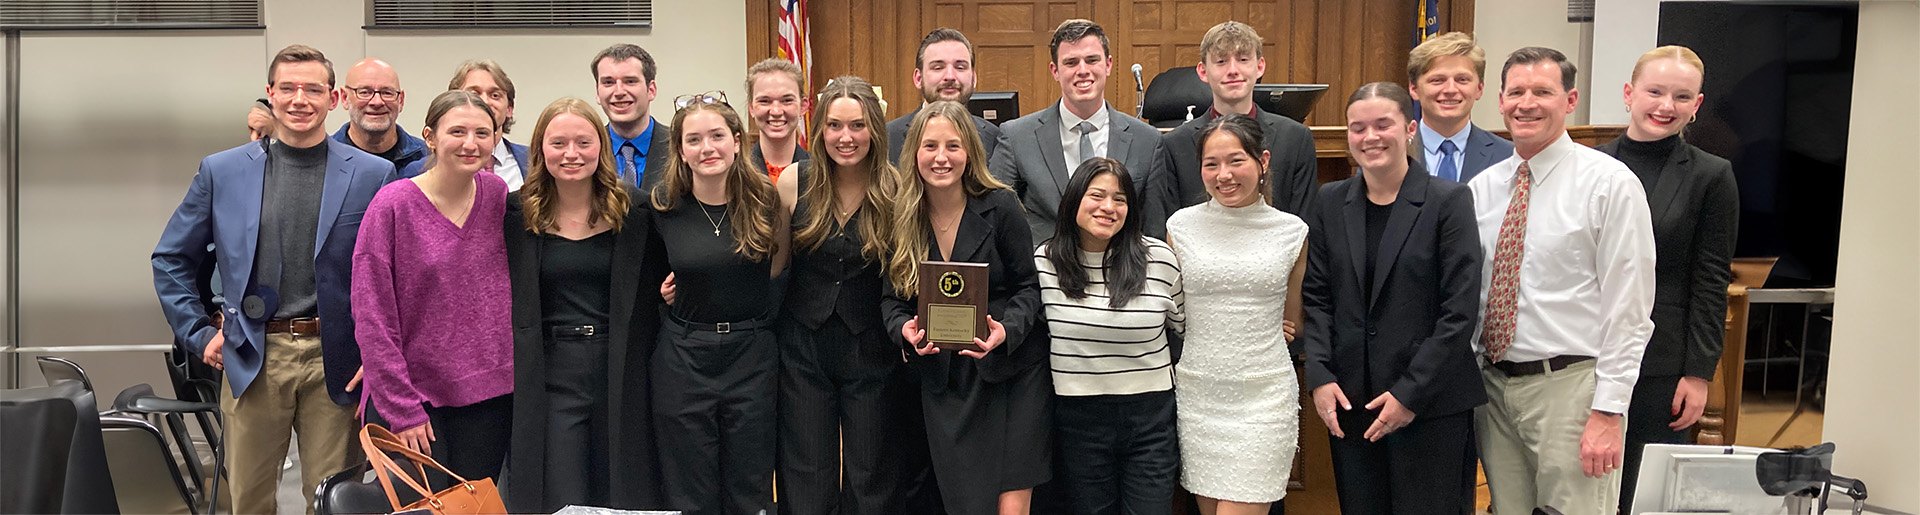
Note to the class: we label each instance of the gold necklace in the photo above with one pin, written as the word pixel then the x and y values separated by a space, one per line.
pixel 716 225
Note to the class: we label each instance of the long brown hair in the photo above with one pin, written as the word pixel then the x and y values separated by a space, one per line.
pixel 910 219
pixel 609 201
pixel 751 199
pixel 882 177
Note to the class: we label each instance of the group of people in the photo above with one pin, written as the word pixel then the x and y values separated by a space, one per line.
pixel 556 315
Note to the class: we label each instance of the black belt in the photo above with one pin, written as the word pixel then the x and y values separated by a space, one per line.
pixel 574 331
pixel 1537 367
pixel 722 327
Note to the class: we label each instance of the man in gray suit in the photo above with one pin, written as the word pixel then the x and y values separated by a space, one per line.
pixel 943 70
pixel 1230 64
pixel 1038 152
pixel 1444 75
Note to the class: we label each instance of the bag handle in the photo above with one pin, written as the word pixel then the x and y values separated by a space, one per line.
pixel 375 439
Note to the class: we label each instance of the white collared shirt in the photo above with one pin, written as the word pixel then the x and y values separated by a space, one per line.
pixel 1586 271
pixel 1070 137
pixel 1430 140
pixel 506 167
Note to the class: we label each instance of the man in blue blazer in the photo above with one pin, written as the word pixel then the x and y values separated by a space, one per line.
pixel 283 214
pixel 1444 75
pixel 486 78
pixel 1034 155
pixel 942 70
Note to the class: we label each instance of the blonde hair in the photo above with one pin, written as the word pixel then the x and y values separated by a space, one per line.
pixel 751 199
pixel 1677 52
pixel 609 201
pixel 775 65
pixel 1229 37
pixel 882 177
pixel 911 222
pixel 1452 43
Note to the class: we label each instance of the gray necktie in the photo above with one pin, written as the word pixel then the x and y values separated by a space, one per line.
pixel 1086 141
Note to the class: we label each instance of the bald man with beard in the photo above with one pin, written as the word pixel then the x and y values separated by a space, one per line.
pixel 374 100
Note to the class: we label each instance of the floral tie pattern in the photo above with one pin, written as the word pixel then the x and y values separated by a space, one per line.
pixel 1503 291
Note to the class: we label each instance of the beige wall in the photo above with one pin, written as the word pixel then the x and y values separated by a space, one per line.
pixel 1873 391
pixel 112 144
pixel 1503 26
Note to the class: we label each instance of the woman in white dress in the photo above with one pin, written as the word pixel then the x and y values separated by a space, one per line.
pixel 1241 262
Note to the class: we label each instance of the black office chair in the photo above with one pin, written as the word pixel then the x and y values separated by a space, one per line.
pixel 357 491
pixel 1174 96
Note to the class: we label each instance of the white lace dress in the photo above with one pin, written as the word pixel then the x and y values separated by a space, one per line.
pixel 1238 397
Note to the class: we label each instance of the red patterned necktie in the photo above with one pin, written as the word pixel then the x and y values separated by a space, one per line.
pixel 1504 290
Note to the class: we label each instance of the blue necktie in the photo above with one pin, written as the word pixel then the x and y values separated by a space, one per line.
pixel 629 169
pixel 1448 170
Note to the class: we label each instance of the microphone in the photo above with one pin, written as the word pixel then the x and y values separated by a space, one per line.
pixel 1139 89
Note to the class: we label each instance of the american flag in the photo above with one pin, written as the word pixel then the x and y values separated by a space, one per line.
pixel 794 46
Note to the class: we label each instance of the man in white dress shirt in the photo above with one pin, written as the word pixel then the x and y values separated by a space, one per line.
pixel 1569 297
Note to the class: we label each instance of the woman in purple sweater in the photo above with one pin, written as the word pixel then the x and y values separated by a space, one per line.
pixel 431 300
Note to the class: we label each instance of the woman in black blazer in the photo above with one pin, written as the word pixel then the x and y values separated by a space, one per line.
pixel 988 412
pixel 579 246
pixel 1696 213
pixel 1392 294
pixel 842 384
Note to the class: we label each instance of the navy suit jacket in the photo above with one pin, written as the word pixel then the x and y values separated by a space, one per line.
pixel 222 207
pixel 519 152
pixel 1483 150
pixel 1409 331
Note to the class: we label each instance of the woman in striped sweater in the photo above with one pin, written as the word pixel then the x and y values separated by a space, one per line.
pixel 1110 295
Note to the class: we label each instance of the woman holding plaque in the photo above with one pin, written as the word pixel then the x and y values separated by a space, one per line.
pixel 987 411
pixel 1111 295
pixel 1696 213
pixel 579 255
pixel 1392 295
pixel 841 379
pixel 725 230
pixel 1242 262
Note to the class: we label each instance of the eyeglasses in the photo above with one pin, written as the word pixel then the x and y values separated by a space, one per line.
pixel 287 89
pixel 710 97
pixel 368 93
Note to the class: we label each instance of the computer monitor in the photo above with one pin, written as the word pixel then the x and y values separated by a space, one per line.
pixel 1290 100
pixel 995 106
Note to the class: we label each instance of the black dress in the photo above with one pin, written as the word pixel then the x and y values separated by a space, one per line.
pixel 989 420
pixel 626 474
pixel 714 370
pixel 1695 206
pixel 843 389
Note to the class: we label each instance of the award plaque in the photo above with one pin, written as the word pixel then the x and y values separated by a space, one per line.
pixel 953 303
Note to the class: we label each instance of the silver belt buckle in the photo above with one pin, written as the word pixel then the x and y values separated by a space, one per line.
pixel 586 331
pixel 723 328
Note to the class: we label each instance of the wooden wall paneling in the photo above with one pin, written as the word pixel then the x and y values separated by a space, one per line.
pixel 1458 16
pixel 761 38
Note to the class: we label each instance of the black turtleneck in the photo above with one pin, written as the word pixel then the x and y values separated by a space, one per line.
pixel 1647 158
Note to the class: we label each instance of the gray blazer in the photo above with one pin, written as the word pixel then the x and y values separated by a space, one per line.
pixel 1030 159
pixel 1483 150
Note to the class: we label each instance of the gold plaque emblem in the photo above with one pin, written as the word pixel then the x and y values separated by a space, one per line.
pixel 951 285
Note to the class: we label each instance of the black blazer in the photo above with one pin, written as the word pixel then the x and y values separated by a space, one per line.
pixel 1293 173
pixel 1415 339
pixel 1696 215
pixel 638 267
pixel 992 231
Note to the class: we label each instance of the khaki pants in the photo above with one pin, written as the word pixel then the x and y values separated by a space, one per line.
pixel 1529 434
pixel 289 395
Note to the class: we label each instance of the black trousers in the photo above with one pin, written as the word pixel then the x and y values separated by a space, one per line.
pixel 1647 417
pixel 577 421
pixel 713 408
pixel 1426 467
pixel 1118 454
pixel 839 392
pixel 469 440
